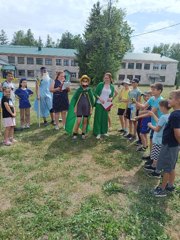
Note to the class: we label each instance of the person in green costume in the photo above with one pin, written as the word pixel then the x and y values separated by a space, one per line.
pixel 104 93
pixel 80 109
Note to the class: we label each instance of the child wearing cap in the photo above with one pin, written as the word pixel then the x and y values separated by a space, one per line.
pixel 134 95
pixel 80 109
pixel 23 94
pixel 123 101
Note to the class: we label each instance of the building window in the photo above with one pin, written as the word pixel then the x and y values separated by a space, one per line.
pixel 66 62
pixel 130 77
pixel 123 65
pixel 138 65
pixel 163 66
pixel 155 66
pixel 11 60
pixel 30 60
pixel 21 73
pixel 130 65
pixel 121 77
pixel 30 73
pixel 20 60
pixel 39 61
pixel 58 62
pixel 146 66
pixel 48 61
pixel 73 74
pixel 162 79
pixel 138 77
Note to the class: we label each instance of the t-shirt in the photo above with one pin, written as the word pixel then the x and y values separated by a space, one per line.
pixel 12 87
pixel 146 120
pixel 168 134
pixel 157 136
pixel 124 95
pixel 154 103
pixel 134 93
pixel 5 113
pixel 23 95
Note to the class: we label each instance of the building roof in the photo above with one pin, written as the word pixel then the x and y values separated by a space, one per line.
pixel 27 50
pixel 148 57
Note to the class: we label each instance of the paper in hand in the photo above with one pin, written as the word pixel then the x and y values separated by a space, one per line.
pixel 65 85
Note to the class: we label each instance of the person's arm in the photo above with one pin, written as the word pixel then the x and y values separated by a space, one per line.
pixel 155 128
pixel 52 89
pixel 177 134
pixel 152 114
pixel 9 109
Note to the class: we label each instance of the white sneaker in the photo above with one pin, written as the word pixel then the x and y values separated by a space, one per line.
pixel 27 126
pixel 98 136
pixel 83 136
pixel 106 135
pixel 56 127
pixel 74 137
pixel 8 143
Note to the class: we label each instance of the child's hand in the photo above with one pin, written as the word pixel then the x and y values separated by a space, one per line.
pixel 101 100
pixel 149 125
pixel 151 113
pixel 109 100
pixel 13 115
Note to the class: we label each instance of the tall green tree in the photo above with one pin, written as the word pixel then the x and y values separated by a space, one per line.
pixel 3 38
pixel 18 38
pixel 106 40
pixel 49 42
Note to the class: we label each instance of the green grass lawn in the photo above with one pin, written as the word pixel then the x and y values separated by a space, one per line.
pixel 52 187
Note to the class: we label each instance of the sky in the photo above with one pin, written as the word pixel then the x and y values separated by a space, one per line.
pixel 45 17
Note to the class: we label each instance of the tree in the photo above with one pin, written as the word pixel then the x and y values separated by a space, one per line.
pixel 3 38
pixel 147 50
pixel 163 49
pixel 106 40
pixel 29 39
pixel 18 38
pixel 39 42
pixel 49 42
pixel 69 41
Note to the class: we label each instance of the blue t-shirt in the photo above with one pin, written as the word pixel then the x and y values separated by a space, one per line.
pixel 23 95
pixel 154 103
pixel 168 134
pixel 157 136
pixel 134 93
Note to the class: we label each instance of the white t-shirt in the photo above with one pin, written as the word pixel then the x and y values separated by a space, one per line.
pixel 105 94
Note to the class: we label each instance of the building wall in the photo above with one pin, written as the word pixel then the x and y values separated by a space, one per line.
pixel 168 75
pixel 52 69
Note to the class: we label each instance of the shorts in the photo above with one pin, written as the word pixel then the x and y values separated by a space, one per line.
pixel 156 148
pixel 167 158
pixel 151 133
pixel 144 129
pixel 9 122
pixel 128 113
pixel 80 116
pixel 121 111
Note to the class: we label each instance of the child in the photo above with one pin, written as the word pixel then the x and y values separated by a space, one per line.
pixel 156 89
pixel 170 147
pixel 8 114
pixel 23 94
pixel 157 136
pixel 134 95
pixel 123 101
pixel 143 124
pixel 80 108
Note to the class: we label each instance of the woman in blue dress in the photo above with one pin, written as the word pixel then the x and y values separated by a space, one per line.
pixel 60 98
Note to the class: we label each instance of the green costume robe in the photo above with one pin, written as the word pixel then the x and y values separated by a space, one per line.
pixel 71 116
pixel 101 115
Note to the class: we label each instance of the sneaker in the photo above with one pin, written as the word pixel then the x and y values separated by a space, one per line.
pixel 27 126
pixel 149 168
pixel 56 127
pixel 128 135
pixel 121 130
pixel 124 133
pixel 106 135
pixel 140 149
pixel 169 188
pixel 148 163
pixel 98 136
pixel 83 136
pixel 53 122
pixel 8 143
pixel 154 174
pixel 132 138
pixel 12 140
pixel 45 123
pixel 22 127
pixel 159 192
pixel 74 137
pixel 60 119
pixel 146 158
